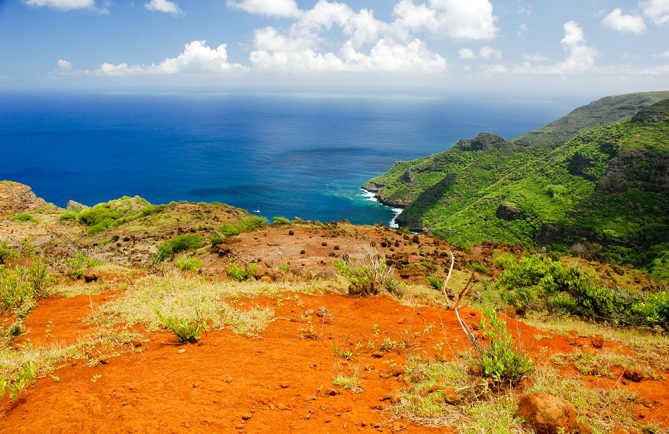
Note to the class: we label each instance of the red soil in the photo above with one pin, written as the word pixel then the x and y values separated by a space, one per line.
pixel 279 382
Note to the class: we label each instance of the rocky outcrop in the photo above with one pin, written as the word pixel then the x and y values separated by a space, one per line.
pixel 18 198
pixel 547 414
pixel 482 142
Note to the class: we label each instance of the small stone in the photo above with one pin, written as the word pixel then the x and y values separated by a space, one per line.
pixel 247 416
pixel 281 406
pixel 633 374
pixel 181 350
pixel 291 233
pixel 303 252
pixel 228 380
pixel 377 355
pixel 547 414
pixel 331 392
pixel 324 244
pixel 284 385
pixel 597 341
pixel 451 396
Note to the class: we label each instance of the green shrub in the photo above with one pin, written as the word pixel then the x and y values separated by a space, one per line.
pixel 180 243
pixel 24 377
pixel 24 217
pixel 501 361
pixel 7 253
pixel 281 221
pixel 189 263
pixel 22 284
pixel 246 224
pixel 241 273
pixel 185 330
pixel 78 264
pixel 534 282
pixel 435 282
pixel 368 276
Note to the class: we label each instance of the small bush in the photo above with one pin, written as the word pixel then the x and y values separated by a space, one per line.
pixel 436 282
pixel 244 225
pixel 22 284
pixel 501 361
pixel 178 244
pixel 7 253
pixel 24 217
pixel 241 273
pixel 368 276
pixel 24 377
pixel 78 264
pixel 280 221
pixel 185 330
pixel 188 263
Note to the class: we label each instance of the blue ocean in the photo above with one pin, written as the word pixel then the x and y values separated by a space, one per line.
pixel 281 155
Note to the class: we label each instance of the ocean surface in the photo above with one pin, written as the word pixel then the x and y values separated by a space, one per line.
pixel 299 155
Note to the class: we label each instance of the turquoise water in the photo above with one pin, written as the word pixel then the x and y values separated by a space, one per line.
pixel 286 156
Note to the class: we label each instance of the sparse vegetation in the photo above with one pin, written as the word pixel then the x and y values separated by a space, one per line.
pixel 189 263
pixel 245 224
pixel 369 275
pixel 242 272
pixel 501 361
pixel 78 264
pixel 186 330
pixel 24 217
pixel 22 284
pixel 180 243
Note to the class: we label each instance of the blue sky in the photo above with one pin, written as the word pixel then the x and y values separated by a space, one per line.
pixel 427 45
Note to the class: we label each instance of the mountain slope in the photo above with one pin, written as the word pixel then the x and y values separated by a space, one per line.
pixel 606 190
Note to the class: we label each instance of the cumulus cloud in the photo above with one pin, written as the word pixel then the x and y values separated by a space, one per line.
pixel 62 4
pixel 657 10
pixel 63 65
pixel 369 44
pixel 581 57
pixel 620 22
pixel 384 56
pixel 277 8
pixel 196 57
pixel 466 53
pixel 456 19
pixel 486 53
pixel 165 6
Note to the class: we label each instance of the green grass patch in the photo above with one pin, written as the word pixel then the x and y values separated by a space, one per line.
pixel 24 217
pixel 180 243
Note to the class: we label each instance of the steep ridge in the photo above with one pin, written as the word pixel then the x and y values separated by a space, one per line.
pixel 605 188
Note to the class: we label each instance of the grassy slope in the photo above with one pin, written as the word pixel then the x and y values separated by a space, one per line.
pixel 407 180
pixel 605 186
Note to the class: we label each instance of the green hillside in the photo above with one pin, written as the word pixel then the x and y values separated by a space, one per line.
pixel 604 192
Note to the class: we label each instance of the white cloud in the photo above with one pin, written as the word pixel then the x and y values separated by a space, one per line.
pixel 277 8
pixel 488 53
pixel 63 65
pixel 62 4
pixel 197 57
pixel 522 30
pixel 620 22
pixel 657 10
pixel 466 53
pixel 664 55
pixel 384 56
pixel 580 57
pixel 165 6
pixel 457 19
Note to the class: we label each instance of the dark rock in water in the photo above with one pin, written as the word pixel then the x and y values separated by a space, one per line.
pixel 509 211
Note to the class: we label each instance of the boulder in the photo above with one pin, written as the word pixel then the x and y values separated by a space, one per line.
pixel 547 414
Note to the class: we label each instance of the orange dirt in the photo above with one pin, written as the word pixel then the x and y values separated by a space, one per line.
pixel 280 382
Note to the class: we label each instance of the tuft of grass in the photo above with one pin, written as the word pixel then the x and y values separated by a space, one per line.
pixel 245 224
pixel 350 382
pixel 369 275
pixel 242 273
pixel 78 264
pixel 189 263
pixel 281 221
pixel 180 243
pixel 7 253
pixel 185 330
pixel 601 364
pixel 24 217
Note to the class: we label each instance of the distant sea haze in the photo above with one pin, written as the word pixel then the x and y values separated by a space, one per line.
pixel 280 155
